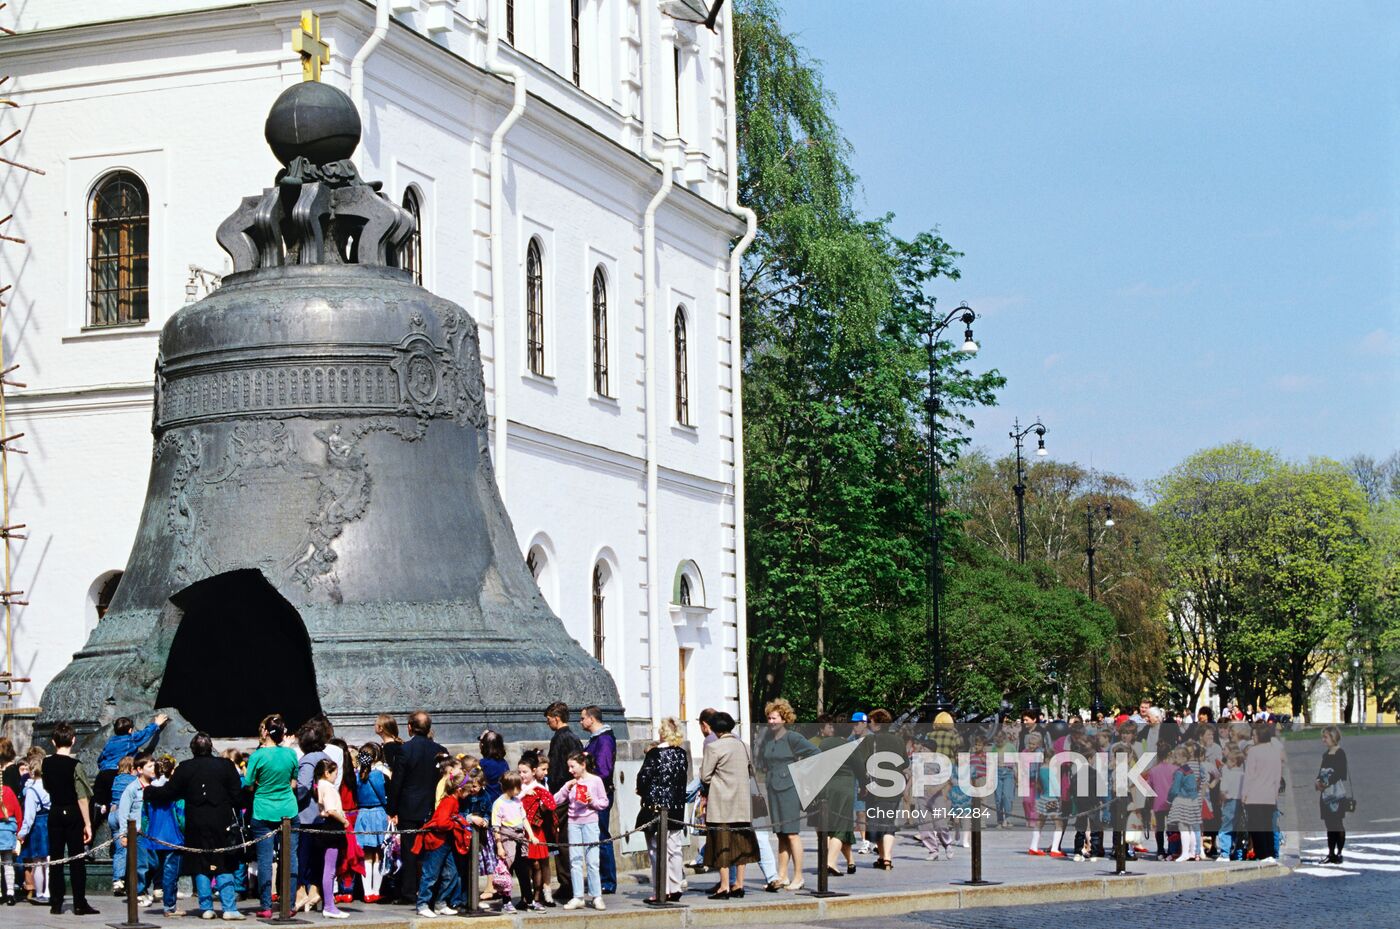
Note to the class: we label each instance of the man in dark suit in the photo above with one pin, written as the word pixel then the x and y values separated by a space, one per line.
pixel 561 745
pixel 410 800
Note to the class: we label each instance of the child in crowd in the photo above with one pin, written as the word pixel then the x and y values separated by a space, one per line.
pixel 352 857
pixel 442 834
pixel 451 771
pixel 1050 806
pixel 1184 801
pixel 1159 778
pixel 125 774
pixel 1230 841
pixel 1032 790
pixel 539 810
pixel 586 797
pixel 476 810
pixel 10 816
pixel 166 827
pixel 34 827
pixel 934 831
pixel 124 743
pixel 372 794
pixel 510 828
pixel 473 819
pixel 1007 738
pixel 129 809
pixel 331 839
pixel 493 762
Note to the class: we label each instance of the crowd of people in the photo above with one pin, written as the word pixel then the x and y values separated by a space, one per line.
pixel 406 820
pixel 1213 785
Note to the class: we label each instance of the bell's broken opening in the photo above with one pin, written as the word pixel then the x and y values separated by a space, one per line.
pixel 240 652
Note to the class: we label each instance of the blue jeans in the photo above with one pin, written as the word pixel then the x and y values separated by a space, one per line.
pixel 607 862
pixel 168 862
pixel 1006 792
pixel 579 835
pixel 145 861
pixel 767 864
pixel 228 891
pixel 1224 839
pixel 437 872
pixel 267 854
pixel 118 850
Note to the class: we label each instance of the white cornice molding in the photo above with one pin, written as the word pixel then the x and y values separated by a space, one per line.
pixel 610 461
pixel 417 49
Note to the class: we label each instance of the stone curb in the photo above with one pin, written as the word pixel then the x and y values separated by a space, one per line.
pixel 811 909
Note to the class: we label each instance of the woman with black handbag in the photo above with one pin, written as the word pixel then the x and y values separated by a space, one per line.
pixel 1334 797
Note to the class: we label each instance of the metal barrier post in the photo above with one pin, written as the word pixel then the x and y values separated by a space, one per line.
pixel 976 879
pixel 133 906
pixel 1119 813
pixel 659 891
pixel 284 880
pixel 473 889
pixel 823 853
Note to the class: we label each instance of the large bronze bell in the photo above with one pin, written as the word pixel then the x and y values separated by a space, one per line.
pixel 322 531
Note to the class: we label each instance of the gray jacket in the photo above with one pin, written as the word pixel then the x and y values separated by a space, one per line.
pixel 725 769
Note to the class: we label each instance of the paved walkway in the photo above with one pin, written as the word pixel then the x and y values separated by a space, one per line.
pixel 913 885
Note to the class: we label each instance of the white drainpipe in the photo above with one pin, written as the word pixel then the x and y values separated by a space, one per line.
pixel 650 330
pixel 357 64
pixel 499 354
pixel 736 362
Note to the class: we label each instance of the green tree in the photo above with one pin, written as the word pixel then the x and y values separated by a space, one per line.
pixel 1127 562
pixel 1010 632
pixel 1209 516
pixel 1271 566
pixel 833 381
pixel 1307 572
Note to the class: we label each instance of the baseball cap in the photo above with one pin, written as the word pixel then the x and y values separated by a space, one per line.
pixel 859 717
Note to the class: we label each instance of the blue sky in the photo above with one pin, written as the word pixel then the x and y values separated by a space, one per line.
pixel 1180 219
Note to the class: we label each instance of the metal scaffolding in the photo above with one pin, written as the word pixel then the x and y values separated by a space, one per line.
pixel 9 531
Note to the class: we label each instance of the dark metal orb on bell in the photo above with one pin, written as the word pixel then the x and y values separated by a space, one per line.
pixel 322 530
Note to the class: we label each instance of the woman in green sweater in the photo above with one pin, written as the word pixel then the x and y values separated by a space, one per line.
pixel 271 775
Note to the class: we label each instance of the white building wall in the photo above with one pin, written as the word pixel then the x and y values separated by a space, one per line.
pixel 180 99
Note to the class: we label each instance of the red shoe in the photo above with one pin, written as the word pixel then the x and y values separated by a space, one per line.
pixel 1058 854
pixel 343 898
pixel 372 898
pixel 1035 851
pixel 263 914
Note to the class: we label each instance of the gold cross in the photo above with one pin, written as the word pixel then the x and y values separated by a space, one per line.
pixel 306 41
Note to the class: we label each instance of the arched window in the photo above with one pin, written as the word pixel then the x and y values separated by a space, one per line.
pixel 599 612
pixel 411 258
pixel 534 307
pixel 510 21
pixel 119 233
pixel 688 587
pixel 573 33
pixel 600 332
pixel 540 562
pixel 682 370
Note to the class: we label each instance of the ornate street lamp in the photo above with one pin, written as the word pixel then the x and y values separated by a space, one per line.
pixel 939 701
pixel 1096 706
pixel 1017 434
